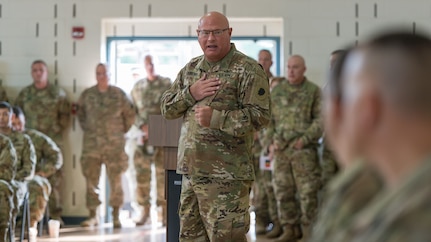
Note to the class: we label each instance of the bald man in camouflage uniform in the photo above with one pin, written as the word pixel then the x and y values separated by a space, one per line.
pixel 146 95
pixel 223 97
pixel 105 114
pixel 26 158
pixel 296 129
pixel 7 174
pixel 47 109
pixel 49 161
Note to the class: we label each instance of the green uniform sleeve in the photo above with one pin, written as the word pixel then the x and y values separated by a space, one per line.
pixel 254 112
pixel 63 111
pixel 128 113
pixel 314 132
pixel 177 99
pixel 8 160
pixel 51 156
pixel 28 157
pixel 81 112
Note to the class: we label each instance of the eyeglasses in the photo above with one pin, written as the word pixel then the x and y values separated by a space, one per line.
pixel 206 33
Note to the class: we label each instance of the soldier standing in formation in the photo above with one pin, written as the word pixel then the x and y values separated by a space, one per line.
pixel 105 115
pixel 146 96
pixel 47 110
pixel 223 97
pixel 296 128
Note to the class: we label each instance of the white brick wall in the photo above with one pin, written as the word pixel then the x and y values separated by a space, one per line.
pixel 309 26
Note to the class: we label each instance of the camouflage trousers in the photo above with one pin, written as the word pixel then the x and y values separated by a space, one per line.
pixel 39 190
pixel 142 161
pixel 259 199
pixel 270 196
pixel 54 203
pixel 116 165
pixel 296 174
pixel 214 209
pixel 328 164
pixel 6 205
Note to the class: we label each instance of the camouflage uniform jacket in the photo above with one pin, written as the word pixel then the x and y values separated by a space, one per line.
pixel 146 96
pixel 48 154
pixel 8 159
pixel 46 110
pixel 295 114
pixel 240 107
pixel 3 94
pixel 104 117
pixel 26 156
pixel 398 214
pixel 347 195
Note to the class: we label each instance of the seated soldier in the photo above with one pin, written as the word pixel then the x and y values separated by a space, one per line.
pixel 7 174
pixel 26 158
pixel 49 161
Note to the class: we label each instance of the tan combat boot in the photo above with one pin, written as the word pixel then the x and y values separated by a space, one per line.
pixel 116 217
pixel 92 220
pixel 288 234
pixel 144 216
pixel 275 231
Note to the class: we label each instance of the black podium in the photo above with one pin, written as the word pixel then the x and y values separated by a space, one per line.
pixel 165 133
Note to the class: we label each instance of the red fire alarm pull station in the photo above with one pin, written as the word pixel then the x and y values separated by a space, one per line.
pixel 78 32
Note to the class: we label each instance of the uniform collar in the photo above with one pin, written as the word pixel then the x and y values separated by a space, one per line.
pixel 205 66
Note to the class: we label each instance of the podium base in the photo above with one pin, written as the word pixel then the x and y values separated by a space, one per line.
pixel 173 198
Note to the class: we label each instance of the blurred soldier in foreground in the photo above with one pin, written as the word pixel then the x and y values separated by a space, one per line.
pixel 355 186
pixel 295 130
pixel 223 97
pixel 47 110
pixel 384 117
pixel 49 161
pixel 105 115
pixel 26 160
pixel 146 96
pixel 7 174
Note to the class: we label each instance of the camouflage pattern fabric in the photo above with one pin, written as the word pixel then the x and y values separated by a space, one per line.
pixel 39 191
pixel 146 96
pixel 104 117
pixel 213 209
pixel 8 161
pixel 222 152
pixel 46 110
pixel 346 196
pixel 25 167
pixel 328 164
pixel 49 162
pixel 240 107
pixel 398 214
pixel 3 94
pixel 296 116
pixel 142 162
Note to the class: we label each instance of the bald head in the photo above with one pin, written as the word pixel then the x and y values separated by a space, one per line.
pixel 296 69
pixel 213 17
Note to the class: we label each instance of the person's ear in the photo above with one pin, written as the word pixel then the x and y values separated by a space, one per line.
pixel 371 112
